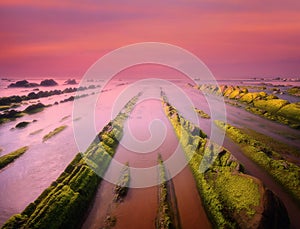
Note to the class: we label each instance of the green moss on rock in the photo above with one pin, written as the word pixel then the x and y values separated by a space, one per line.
pixel 54 132
pixel 10 157
pixel 235 93
pixel 286 173
pixel 271 105
pixel 294 91
pixel 259 103
pixel 239 192
pixel 291 111
pixel 212 167
pixel 251 96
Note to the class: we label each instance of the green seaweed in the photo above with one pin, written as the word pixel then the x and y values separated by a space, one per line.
pixel 36 132
pixel 238 192
pixel 10 157
pixel 270 105
pixel 54 132
pixel 291 111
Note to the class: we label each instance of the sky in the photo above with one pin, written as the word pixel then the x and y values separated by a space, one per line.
pixel 234 38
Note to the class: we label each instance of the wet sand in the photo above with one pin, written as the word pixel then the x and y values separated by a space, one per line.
pixel 138 210
pixel 100 207
pixel 191 210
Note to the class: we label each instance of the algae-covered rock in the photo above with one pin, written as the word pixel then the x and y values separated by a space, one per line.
pixel 294 91
pixel 291 111
pixel 271 97
pixel 228 91
pixel 10 157
pixel 251 204
pixel 235 93
pixel 251 96
pixel 23 83
pixel 285 172
pixel 202 114
pixel 10 115
pixel 271 105
pixel 22 124
pixel 231 198
pixel 54 132
pixel 259 103
pixel 248 98
pixel 34 108
pixel 48 82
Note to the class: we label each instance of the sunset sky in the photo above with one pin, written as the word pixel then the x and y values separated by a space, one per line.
pixel 235 38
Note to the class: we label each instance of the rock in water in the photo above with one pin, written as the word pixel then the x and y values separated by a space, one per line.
pixel 34 108
pixel 275 214
pixel 22 124
pixel 23 83
pixel 49 82
pixel 70 81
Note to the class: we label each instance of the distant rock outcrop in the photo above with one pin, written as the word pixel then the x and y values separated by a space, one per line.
pixel 70 81
pixel 23 83
pixel 48 82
